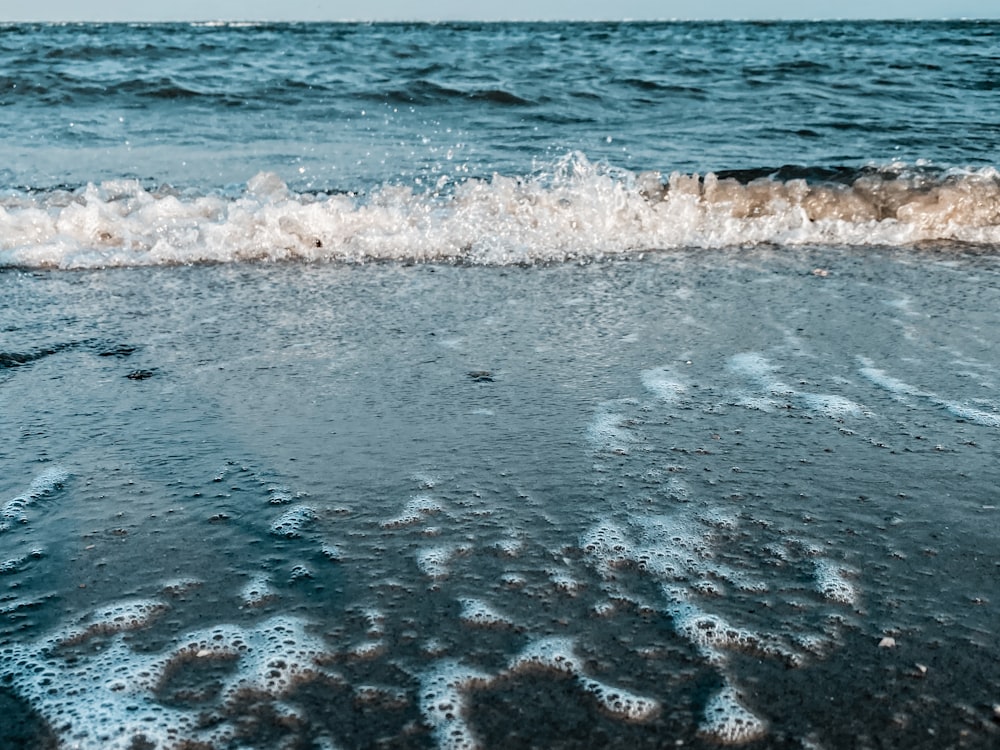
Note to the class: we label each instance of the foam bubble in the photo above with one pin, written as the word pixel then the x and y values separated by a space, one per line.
pixel 332 551
pixel 443 703
pixel 557 654
pixel 972 414
pixel 179 586
pixel 376 622
pixel 416 509
pixel 124 615
pixel 509 547
pixel 434 561
pixel 664 384
pixel 13 564
pixel 831 405
pixel 885 381
pixel 47 482
pixel 513 580
pixel 290 523
pixel 478 613
pixel 607 547
pixel 111 696
pixel 728 721
pixel 564 582
pixel 368 650
pixel 258 590
pixel 831 582
pixel 279 495
pixel 712 634
pixel 755 366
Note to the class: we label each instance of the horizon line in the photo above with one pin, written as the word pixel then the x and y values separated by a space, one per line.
pixel 437 21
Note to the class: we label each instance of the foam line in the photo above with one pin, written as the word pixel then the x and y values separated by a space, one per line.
pixel 47 482
pixel 900 390
pixel 578 209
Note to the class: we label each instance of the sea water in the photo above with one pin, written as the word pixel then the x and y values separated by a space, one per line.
pixel 520 385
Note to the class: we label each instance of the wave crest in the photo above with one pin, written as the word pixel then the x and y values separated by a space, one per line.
pixel 575 210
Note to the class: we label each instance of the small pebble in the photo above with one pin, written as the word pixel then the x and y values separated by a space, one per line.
pixel 887 642
pixel 203 653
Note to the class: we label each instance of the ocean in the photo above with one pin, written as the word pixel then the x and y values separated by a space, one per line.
pixel 560 385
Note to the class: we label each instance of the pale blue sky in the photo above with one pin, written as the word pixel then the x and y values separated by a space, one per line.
pixel 435 10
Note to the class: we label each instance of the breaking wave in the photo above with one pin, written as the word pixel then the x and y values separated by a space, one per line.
pixel 575 210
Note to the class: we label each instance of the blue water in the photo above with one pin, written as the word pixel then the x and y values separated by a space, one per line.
pixel 350 106
pixel 845 123
pixel 499 386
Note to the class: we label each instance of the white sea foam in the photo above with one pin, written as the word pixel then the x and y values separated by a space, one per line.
pixel 444 689
pixel 664 384
pixel 557 654
pixel 110 695
pixel 758 369
pixel 292 522
pixel 258 590
pixel 713 635
pixel 900 390
pixel 832 582
pixel 728 721
pixel 608 432
pixel 480 613
pixel 116 618
pixel 582 210
pixel 15 510
pixel 443 703
pixel 972 414
pixel 416 509
pixel 434 561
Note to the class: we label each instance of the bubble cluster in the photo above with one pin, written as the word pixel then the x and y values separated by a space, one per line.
pixel 258 591
pixel 444 706
pixel 291 523
pixel 444 690
pixel 434 561
pixel 114 696
pixel 479 613
pixel 16 509
pixel 557 654
pixel 416 509
pixel 728 721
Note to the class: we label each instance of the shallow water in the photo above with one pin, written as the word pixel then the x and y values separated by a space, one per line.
pixel 672 498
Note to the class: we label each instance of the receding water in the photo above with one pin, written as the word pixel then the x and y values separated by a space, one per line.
pixel 677 499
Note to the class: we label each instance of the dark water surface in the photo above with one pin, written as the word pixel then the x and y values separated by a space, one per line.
pixel 352 106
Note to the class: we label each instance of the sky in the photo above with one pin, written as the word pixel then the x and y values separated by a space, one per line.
pixel 439 10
